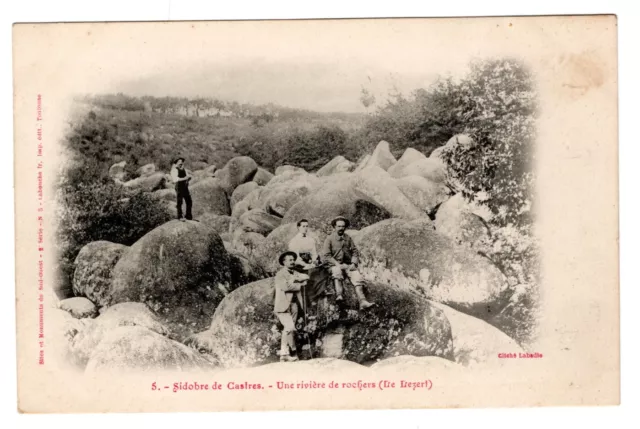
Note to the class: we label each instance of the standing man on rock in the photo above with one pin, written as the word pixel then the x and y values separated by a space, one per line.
pixel 288 284
pixel 341 254
pixel 181 179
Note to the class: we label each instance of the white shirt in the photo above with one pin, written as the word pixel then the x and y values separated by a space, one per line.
pixel 300 244
pixel 174 174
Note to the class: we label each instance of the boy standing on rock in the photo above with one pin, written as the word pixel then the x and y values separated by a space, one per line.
pixel 288 285
pixel 181 178
pixel 341 254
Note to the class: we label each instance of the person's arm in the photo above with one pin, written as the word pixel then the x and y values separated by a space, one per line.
pixel 355 254
pixel 176 179
pixel 174 175
pixel 327 252
pixel 301 278
pixel 287 283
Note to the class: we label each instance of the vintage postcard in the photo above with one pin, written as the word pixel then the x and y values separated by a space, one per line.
pixel 316 214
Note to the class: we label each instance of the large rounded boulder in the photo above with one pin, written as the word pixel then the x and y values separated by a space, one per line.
pixel 262 176
pixel 237 171
pixel 455 219
pixel 434 264
pixel 288 168
pixel 166 195
pixel 409 156
pixel 180 269
pixel 381 157
pixel 173 257
pixel 244 269
pixel 244 330
pixel 259 221
pixel 375 185
pixel 199 175
pixel 117 172
pixel 79 307
pixel 253 200
pixel 146 170
pixel 209 196
pixel 475 342
pixel 85 340
pixel 60 329
pixel 429 168
pixel 133 349
pixel 149 183
pixel 242 191
pixel 332 199
pixel 219 223
pixel 339 164
pixel 280 197
pixel 92 277
pixel 423 193
pixel 247 243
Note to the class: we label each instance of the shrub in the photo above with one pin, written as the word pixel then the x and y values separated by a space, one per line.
pixel 312 149
pixel 91 209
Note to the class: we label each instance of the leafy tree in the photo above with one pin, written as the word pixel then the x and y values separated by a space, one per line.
pixel 498 106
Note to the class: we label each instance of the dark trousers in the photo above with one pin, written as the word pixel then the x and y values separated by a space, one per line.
pixel 183 194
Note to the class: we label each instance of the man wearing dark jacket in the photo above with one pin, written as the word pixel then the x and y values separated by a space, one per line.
pixel 342 256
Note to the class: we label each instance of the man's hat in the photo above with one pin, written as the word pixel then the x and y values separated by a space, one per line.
pixel 346 221
pixel 281 258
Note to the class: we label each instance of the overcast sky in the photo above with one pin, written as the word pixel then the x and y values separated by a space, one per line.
pixel 319 64
pixel 322 86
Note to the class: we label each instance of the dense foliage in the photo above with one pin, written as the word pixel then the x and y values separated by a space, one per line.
pixel 499 108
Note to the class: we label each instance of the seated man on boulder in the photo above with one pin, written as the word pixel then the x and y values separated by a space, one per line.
pixel 341 254
pixel 288 284
pixel 308 262
pixel 305 247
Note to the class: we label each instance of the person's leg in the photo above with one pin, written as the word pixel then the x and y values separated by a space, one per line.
pixel 356 279
pixel 179 205
pixel 287 341
pixel 338 277
pixel 187 200
pixel 293 310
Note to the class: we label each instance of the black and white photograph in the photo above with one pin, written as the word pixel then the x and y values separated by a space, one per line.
pixel 243 201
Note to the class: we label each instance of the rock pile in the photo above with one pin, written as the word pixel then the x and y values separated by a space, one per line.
pixel 196 294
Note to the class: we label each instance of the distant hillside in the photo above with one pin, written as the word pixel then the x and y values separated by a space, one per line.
pixel 210 107
pixel 146 130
